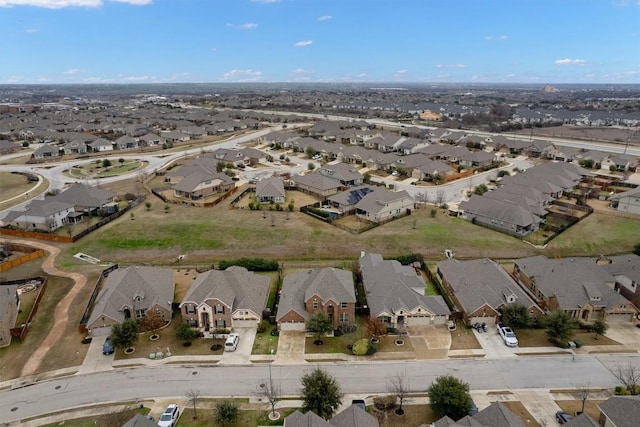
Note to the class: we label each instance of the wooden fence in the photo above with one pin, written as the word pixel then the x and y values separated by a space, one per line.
pixel 87 311
pixel 21 331
pixel 30 254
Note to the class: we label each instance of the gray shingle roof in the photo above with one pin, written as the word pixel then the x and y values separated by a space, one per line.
pixel 309 419
pixel 498 415
pixel 390 286
pixel 85 196
pixel 482 281
pixel 270 187
pixel 155 285
pixel 237 287
pixel 623 411
pixel 354 416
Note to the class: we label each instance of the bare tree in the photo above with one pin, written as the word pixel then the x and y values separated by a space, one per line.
pixel 629 376
pixel 271 393
pixel 399 386
pixel 584 391
pixel 193 396
pixel 440 198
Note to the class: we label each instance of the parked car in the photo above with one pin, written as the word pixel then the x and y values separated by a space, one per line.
pixel 107 347
pixel 508 336
pixel 474 409
pixel 232 342
pixel 170 416
pixel 563 417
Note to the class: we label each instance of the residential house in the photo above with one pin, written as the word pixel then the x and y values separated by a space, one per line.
pixel 621 163
pixel 502 215
pixel 345 174
pixel 74 148
pixel 582 420
pixel 126 142
pixel 576 285
pixel 151 140
pixel 317 184
pixel 628 201
pixel 140 420
pixel 85 198
pixel 202 182
pixel 477 159
pixel 410 146
pixel 306 292
pixel 495 415
pixel 226 156
pixel 48 214
pixel 270 190
pixel 395 294
pixel 626 270
pixel 135 292
pixel 346 201
pixel 620 411
pixel 45 151
pixel 481 288
pixel 175 136
pixel 9 307
pixel 382 205
pixel 101 145
pixel 352 416
pixel 232 298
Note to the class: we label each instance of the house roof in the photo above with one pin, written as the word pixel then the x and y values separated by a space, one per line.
pixel 389 287
pixel 237 287
pixel 154 286
pixel 583 420
pixel 499 210
pixel 354 416
pixel 574 281
pixel 190 182
pixel 85 196
pixel 139 420
pixel 378 200
pixel 270 187
pixel 327 283
pixel 342 172
pixel 100 142
pixel 623 411
pixel 634 192
pixel 482 281
pixel 309 419
pixel 624 265
pixel 317 181
pixel 498 415
pixel 40 209
pixel 352 196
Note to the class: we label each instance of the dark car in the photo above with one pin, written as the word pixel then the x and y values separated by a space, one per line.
pixel 474 409
pixel 107 347
pixel 563 417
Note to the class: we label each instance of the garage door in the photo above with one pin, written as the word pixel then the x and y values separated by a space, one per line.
pixel 101 332
pixel 419 320
pixel 619 317
pixel 490 321
pixel 244 323
pixel 292 326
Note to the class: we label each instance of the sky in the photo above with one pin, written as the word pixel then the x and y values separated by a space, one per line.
pixel 403 41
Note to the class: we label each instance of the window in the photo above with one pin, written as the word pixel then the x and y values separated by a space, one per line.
pixel 219 309
pixel 220 323
pixel 191 308
pixel 315 304
pixel 344 317
pixel 344 304
pixel 139 314
pixel 193 323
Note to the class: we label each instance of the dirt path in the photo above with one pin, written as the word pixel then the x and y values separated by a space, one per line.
pixel 60 318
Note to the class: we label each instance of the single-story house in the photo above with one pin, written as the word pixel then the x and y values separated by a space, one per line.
pixel 628 201
pixel 134 292
pixel 270 190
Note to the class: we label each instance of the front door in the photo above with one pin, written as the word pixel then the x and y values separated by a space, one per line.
pixel 205 321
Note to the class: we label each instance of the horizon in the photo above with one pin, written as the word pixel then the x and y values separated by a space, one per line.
pixel 314 41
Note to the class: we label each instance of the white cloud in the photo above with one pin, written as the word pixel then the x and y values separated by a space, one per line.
pixel 304 43
pixel 242 76
pixel 325 18
pixel 568 61
pixel 400 73
pixel 451 66
pixel 59 4
pixel 247 26
pixel 71 71
pixel 32 30
pixel 361 75
pixel 497 38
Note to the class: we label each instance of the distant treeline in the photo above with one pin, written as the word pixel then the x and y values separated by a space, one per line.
pixel 251 264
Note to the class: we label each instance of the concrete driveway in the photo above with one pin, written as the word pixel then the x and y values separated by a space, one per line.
pixel 492 344
pixel 95 361
pixel 430 342
pixel 290 347
pixel 625 333
pixel 242 354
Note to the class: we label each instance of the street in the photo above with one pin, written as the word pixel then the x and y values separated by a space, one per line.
pixel 531 372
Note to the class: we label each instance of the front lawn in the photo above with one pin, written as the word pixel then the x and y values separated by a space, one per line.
pixel 265 342
pixel 463 338
pixel 538 338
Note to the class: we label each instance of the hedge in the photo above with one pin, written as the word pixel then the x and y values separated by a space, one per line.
pixel 251 264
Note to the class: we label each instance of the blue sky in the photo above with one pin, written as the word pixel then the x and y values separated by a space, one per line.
pixel 157 41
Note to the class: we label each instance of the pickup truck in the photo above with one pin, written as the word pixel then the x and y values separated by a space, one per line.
pixel 508 336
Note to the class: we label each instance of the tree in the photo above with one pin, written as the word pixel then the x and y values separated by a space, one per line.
pixel 227 412
pixel 148 206
pixel 310 151
pixel 560 326
pixel 321 393
pixel 599 327
pixel 185 332
pixel 319 324
pixel 450 396
pixel 376 327
pixel 311 166
pixel 125 334
pixel 193 396
pixel 271 393
pixel 399 385
pixel 629 376
pixel 480 189
pixel 106 163
pixel 583 392
pixel 121 160
pixel 516 316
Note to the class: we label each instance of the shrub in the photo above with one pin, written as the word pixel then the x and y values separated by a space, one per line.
pixel 262 326
pixel 384 403
pixel 372 348
pixel 251 264
pixel 361 347
pixel 578 343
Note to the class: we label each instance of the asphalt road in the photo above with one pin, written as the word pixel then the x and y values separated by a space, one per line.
pixel 168 381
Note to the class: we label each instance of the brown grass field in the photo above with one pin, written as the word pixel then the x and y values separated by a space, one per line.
pixel 13 184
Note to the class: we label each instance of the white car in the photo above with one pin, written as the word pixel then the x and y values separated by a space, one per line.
pixel 170 416
pixel 232 342
pixel 277 163
pixel 508 336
